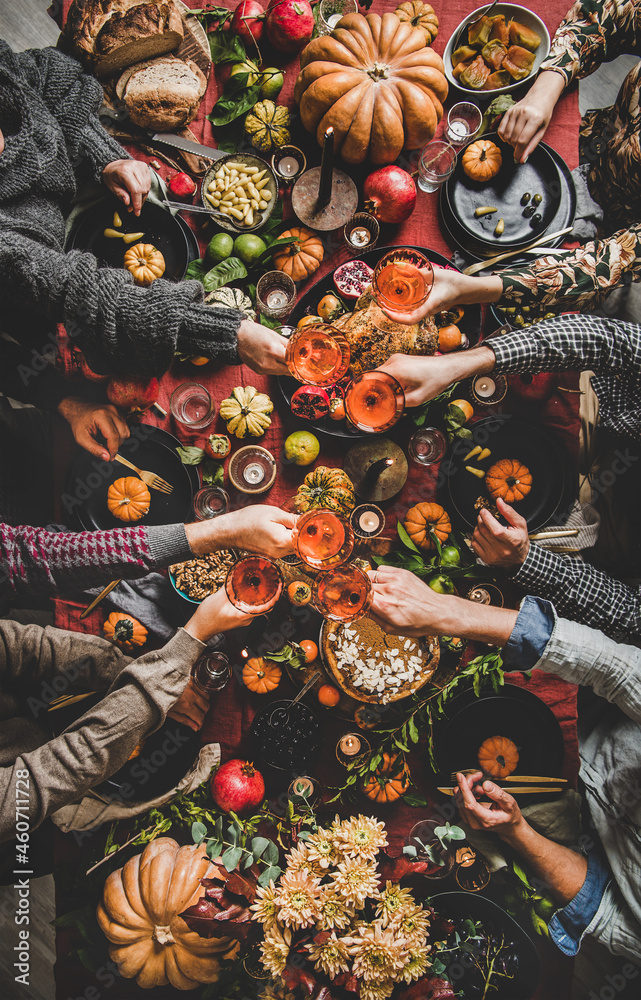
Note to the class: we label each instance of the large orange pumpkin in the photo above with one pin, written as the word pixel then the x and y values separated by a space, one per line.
pixel 376 83
pixel 390 780
pixel 301 259
pixel 498 756
pixel 509 479
pixel 128 499
pixel 425 518
pixel 139 916
pixel 482 160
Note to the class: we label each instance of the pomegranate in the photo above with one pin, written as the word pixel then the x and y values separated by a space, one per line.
pixel 351 279
pixel 289 24
pixel 249 21
pixel 310 402
pixel 237 787
pixel 390 194
pixel 534 388
pixel 133 393
pixel 182 185
pixel 88 373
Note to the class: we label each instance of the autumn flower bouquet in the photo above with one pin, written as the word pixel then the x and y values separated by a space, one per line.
pixel 333 910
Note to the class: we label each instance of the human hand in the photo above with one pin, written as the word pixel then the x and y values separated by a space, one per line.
pixel 215 614
pixel 90 422
pixel 191 708
pixel 261 349
pixel 505 547
pixel 447 290
pixel 404 605
pixel 502 815
pixel 259 528
pixel 129 180
pixel 524 124
pixel 421 378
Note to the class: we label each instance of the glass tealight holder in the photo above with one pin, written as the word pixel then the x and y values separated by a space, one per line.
pixel 427 446
pixel 192 406
pixel 352 747
pixel 331 11
pixel 252 469
pixel 487 390
pixel 211 672
pixel 210 501
pixel 463 123
pixel 367 520
pixel 288 163
pixel 275 294
pixel 486 593
pixel 361 232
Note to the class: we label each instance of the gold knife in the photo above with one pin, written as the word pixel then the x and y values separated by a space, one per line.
pixel 97 600
pixel 514 790
pixel 481 266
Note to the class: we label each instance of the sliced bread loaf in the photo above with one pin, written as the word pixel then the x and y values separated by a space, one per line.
pixel 162 94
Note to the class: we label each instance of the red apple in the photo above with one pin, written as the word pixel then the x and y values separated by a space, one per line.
pixel 249 21
pixel 290 24
pixel 237 787
pixel 133 393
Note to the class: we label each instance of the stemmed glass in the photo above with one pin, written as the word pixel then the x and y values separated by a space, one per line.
pixel 342 594
pixel 402 280
pixel 254 584
pixel 318 355
pixel 322 539
pixel 374 401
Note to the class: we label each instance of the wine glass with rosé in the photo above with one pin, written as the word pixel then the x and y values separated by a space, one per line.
pixel 402 280
pixel 322 538
pixel 374 401
pixel 318 355
pixel 254 584
pixel 342 594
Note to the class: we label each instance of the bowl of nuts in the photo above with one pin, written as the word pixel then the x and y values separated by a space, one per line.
pixel 241 190
pixel 197 578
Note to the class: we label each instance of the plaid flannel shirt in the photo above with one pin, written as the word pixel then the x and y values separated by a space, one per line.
pixel 611 349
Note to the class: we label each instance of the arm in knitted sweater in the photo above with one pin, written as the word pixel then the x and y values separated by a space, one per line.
pixel 34 561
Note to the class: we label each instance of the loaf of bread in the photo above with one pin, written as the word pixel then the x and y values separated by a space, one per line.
pixel 107 36
pixel 162 94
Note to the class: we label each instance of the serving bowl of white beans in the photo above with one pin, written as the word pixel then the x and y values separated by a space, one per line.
pixel 241 191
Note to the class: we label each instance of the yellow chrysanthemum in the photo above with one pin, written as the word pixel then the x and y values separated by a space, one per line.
pixel 298 860
pixel 416 966
pixel 355 880
pixel 322 850
pixel 330 956
pixel 275 949
pixel 394 903
pixel 297 898
pixel 412 925
pixel 361 837
pixel 376 991
pixel 334 912
pixel 265 909
pixel 378 956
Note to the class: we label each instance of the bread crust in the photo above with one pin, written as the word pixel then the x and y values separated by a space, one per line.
pixel 162 94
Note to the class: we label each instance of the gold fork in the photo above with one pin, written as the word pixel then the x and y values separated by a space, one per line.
pixel 467 771
pixel 149 478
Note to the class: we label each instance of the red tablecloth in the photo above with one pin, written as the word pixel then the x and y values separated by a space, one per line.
pixel 232 713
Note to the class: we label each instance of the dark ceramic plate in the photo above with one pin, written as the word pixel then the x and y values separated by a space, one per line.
pixel 553 478
pixel 540 175
pixel 513 712
pixel 463 905
pixel 149 448
pixel 159 226
pixel 470 325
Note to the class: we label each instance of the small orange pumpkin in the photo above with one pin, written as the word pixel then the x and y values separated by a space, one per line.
pixel 482 160
pixel 301 259
pixel 261 676
pixel 509 479
pixel 498 756
pixel 420 15
pixel 128 499
pixel 145 263
pixel 124 630
pixel 425 518
pixel 390 780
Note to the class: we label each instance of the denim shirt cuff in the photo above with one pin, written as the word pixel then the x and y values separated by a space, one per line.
pixel 568 925
pixel 530 635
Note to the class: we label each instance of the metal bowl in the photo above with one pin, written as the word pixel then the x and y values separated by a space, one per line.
pixel 250 160
pixel 516 13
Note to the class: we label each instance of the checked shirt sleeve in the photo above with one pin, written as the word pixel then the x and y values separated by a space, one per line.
pixel 582 593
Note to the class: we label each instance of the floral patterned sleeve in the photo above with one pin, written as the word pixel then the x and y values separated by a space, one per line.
pixel 593 32
pixel 578 280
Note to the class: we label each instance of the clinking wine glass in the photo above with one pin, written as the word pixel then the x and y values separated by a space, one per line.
pixel 322 539
pixel 374 401
pixel 318 355
pixel 254 584
pixel 342 594
pixel 402 280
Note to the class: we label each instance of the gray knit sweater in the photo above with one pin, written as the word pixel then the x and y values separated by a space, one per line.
pixel 48 109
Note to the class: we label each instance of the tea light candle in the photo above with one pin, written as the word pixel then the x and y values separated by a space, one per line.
pixel 484 386
pixel 479 595
pixel 276 299
pixel 360 237
pixel 253 473
pixel 367 520
pixel 350 745
pixel 288 166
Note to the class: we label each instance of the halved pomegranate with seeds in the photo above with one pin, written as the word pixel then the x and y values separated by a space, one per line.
pixel 352 278
pixel 310 402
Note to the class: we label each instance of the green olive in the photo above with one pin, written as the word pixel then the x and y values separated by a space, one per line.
pixel 537 199
pixel 519 320
pixel 537 219
pixel 529 211
pixel 510 309
pixel 525 198
pixel 500 226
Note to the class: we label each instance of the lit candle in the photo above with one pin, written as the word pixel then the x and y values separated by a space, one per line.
pixel 484 386
pixel 479 595
pixel 360 237
pixel 276 298
pixel 253 473
pixel 288 166
pixel 350 745
pixel 369 520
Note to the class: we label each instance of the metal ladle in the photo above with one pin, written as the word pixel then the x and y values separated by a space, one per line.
pixel 284 717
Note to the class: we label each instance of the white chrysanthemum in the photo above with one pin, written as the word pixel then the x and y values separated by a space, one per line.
pixel 416 966
pixel 334 912
pixel 330 956
pixel 275 949
pixel 378 956
pixel 322 850
pixel 361 837
pixel 376 991
pixel 298 860
pixel 393 903
pixel 297 898
pixel 265 909
pixel 355 880
pixel 412 925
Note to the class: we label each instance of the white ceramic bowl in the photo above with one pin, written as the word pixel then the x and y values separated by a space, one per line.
pixel 224 221
pixel 512 12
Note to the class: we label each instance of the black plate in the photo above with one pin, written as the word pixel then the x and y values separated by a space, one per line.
pixel 513 712
pixel 460 905
pixel 160 227
pixel 553 478
pixel 470 325
pixel 564 217
pixel 149 448
pixel 540 175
